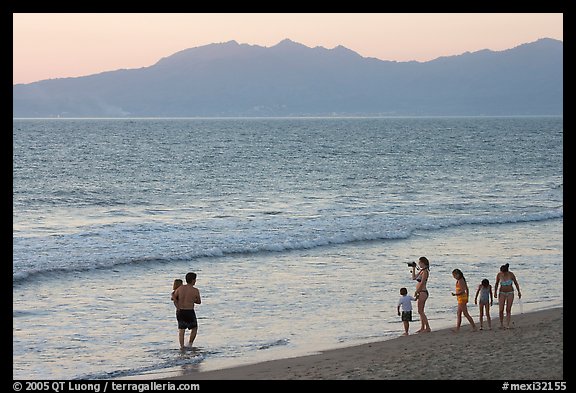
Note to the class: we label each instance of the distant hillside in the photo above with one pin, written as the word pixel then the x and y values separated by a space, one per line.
pixel 290 79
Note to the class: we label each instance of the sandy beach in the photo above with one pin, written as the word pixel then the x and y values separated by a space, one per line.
pixel 532 350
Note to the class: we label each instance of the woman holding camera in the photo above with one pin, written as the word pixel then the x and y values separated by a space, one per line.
pixel 421 292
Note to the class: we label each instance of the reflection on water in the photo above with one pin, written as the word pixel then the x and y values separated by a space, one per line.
pixel 266 306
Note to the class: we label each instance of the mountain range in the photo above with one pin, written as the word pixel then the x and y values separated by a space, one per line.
pixel 291 79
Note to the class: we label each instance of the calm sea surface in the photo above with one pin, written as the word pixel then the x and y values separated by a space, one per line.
pixel 299 230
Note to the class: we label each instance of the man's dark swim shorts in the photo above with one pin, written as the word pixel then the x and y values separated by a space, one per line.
pixel 186 319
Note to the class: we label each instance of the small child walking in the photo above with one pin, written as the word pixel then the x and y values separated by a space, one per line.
pixel 486 300
pixel 406 303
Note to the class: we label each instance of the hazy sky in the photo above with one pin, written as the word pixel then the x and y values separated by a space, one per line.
pixel 62 45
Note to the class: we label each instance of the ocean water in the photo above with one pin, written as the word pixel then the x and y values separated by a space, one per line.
pixel 299 231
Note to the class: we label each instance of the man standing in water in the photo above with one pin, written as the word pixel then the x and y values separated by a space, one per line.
pixel 185 297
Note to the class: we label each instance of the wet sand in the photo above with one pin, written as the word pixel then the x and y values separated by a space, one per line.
pixel 532 350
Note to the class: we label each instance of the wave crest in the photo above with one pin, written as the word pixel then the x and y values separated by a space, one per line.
pixel 170 244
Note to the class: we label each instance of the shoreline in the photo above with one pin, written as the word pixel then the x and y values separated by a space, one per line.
pixel 532 349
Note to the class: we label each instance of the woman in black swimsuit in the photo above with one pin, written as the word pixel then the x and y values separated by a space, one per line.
pixel 421 292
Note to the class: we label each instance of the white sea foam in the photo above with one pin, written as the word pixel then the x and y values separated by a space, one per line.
pixel 101 249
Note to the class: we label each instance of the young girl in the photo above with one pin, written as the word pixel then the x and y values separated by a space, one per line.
pixel 462 295
pixel 486 300
pixel 177 282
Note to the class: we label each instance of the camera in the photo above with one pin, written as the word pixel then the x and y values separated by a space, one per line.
pixel 412 264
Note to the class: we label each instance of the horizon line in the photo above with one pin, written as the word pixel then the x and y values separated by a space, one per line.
pixel 284 117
